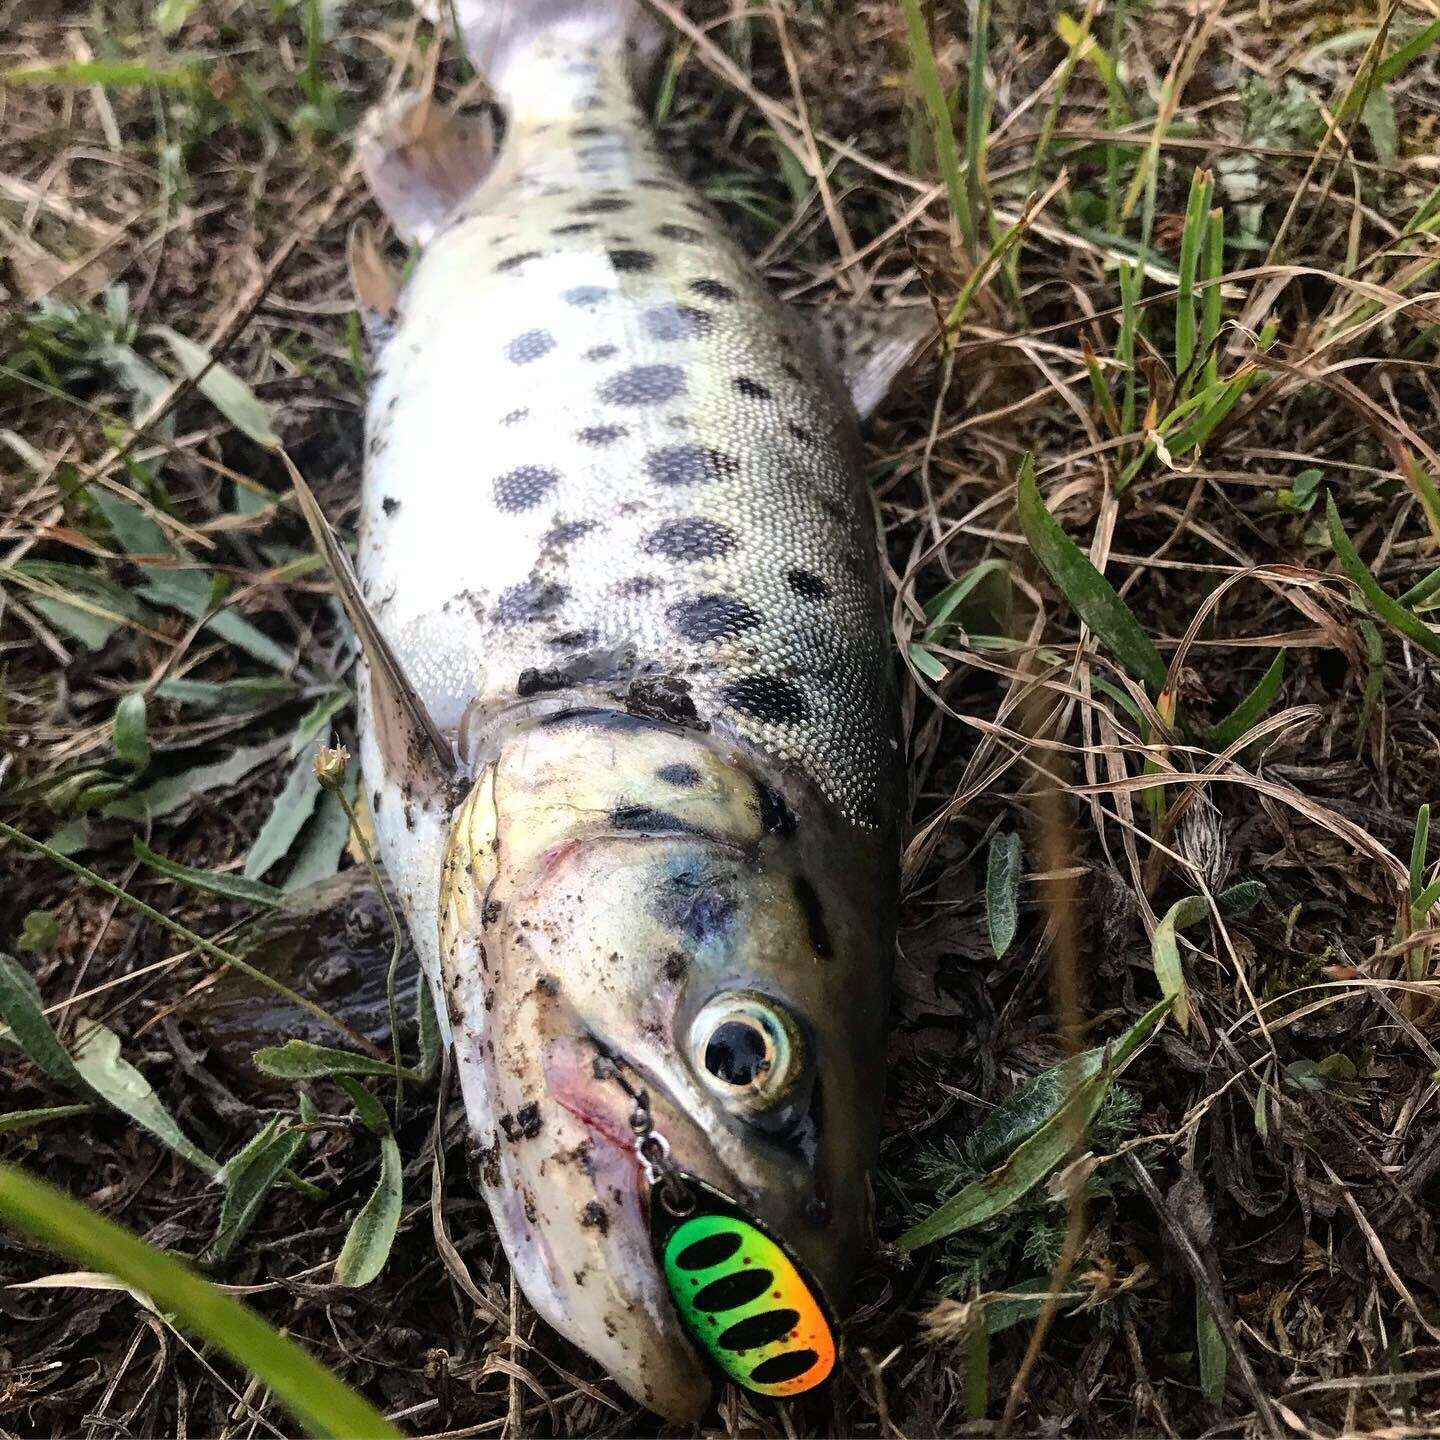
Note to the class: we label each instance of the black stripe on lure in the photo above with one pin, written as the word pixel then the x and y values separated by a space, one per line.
pixel 742 1296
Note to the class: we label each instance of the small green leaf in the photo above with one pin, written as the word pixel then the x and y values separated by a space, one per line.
pixel 1090 594
pixel 372 1233
pixel 223 388
pixel 1210 1351
pixel 1044 1148
pixel 24 1016
pixel 927 664
pixel 1002 892
pixel 370 1111
pixel 1301 496
pixel 114 1078
pixel 13 1120
pixel 1165 956
pixel 248 1178
pixel 1253 707
pixel 39 931
pixel 232 887
pixel 293 806
pixel 1378 117
pixel 302 1060
pixel 131 739
pixel 227 697
pixel 1390 611
pixel 323 843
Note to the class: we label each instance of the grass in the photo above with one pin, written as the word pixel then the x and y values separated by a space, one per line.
pixel 1161 521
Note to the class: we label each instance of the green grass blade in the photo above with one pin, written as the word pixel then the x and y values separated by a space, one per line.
pixel 977 112
pixel 927 78
pixel 232 887
pixel 12 1120
pixel 1090 594
pixel 323 1404
pixel 1192 246
pixel 1419 853
pixel 1390 611
pixel 1253 707
pixel 1212 300
pixel 1410 51
pixel 1210 1352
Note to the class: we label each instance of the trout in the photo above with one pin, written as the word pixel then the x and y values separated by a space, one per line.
pixel 628 715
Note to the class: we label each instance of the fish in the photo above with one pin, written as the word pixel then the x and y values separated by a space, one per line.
pixel 628 714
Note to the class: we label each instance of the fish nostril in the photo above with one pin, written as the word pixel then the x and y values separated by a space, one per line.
pixel 737 1053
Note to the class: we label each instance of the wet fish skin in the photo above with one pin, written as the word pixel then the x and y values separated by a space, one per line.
pixel 615 531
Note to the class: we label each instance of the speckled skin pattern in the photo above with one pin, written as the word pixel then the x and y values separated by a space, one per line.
pixel 615 529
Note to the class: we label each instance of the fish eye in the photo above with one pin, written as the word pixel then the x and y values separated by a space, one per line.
pixel 747 1049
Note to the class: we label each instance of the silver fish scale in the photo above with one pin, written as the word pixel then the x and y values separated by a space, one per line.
pixel 660 477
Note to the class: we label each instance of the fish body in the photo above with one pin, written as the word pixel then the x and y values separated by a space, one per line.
pixel 616 534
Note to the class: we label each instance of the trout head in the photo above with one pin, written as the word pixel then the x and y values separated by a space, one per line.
pixel 623 891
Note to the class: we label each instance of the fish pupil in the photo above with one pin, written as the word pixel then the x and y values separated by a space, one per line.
pixel 736 1053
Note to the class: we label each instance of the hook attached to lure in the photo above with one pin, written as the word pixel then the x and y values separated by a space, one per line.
pixel 741 1295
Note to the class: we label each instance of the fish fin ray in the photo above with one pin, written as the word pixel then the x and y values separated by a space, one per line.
pixel 390 684
pixel 869 345
pixel 421 160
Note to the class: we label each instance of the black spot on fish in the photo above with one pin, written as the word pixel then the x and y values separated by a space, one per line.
pixel 788 1365
pixel 644 819
pixel 602 352
pixel 688 464
pixel 712 289
pixel 525 487
pixel 694 538
pixel 643 385
pixel 793 371
pixel 775 815
pixel 529 346
pixel 571 639
pixel 577 227
pixel 389 504
pixel 712 617
pixel 650 182
pixel 586 297
pixel 662 697
pixel 814 917
pixel 636 585
pixel 801 432
pixel 807 584
pixel 514 262
pixel 588 132
pixel 600 205
pixel 524 1124
pixel 757 1330
pixel 683 233
pixel 529 601
pixel 593 1217
pixel 677 322
pixel 601 434
pixel 513 417
pixel 769 698
pixel 564 532
pixel 698 904
pixel 534 681
pixel 632 262
pixel 751 389
pixel 681 774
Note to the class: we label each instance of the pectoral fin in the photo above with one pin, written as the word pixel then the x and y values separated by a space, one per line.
pixel 398 706
pixel 869 345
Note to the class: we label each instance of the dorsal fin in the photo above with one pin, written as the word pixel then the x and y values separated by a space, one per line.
pixel 385 667
pixel 869 345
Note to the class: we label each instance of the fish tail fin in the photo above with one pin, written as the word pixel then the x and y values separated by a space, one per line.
pixel 521 46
